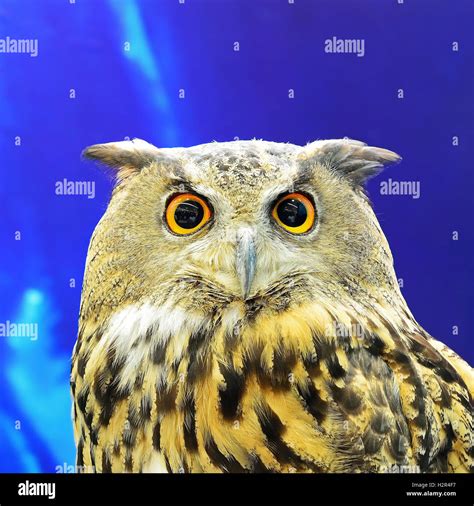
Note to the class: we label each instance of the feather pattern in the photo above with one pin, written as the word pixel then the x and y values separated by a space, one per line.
pixel 297 391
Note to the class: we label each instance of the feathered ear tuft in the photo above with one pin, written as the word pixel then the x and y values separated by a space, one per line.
pixel 128 157
pixel 352 159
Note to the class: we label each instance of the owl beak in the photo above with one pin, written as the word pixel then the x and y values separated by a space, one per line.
pixel 246 260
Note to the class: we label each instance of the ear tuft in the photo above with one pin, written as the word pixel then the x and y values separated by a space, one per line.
pixel 128 157
pixel 353 159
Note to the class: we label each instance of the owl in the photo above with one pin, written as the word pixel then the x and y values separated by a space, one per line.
pixel 240 313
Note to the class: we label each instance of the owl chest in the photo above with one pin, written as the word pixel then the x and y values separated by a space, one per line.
pixel 213 412
pixel 244 427
pixel 202 399
pixel 224 420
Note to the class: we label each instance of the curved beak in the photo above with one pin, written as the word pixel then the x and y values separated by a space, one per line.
pixel 246 259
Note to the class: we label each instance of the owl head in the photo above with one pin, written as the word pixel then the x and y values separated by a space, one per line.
pixel 262 223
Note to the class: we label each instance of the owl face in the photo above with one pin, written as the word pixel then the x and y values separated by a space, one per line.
pixel 262 223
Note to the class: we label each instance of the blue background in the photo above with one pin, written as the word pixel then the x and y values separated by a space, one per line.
pixel 135 93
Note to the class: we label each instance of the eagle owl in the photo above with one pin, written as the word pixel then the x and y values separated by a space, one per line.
pixel 240 313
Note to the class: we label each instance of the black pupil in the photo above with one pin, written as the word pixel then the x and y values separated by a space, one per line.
pixel 189 214
pixel 292 213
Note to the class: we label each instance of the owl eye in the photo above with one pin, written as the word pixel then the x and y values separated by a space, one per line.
pixel 295 213
pixel 186 213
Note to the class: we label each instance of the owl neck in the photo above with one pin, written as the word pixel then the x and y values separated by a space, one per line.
pixel 173 338
pixel 150 366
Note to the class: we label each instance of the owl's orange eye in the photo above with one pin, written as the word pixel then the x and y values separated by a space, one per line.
pixel 295 213
pixel 186 213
